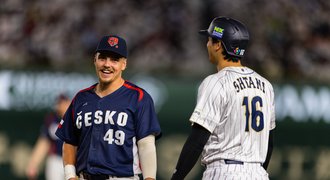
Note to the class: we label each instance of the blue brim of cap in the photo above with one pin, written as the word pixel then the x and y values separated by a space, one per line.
pixel 107 50
pixel 206 33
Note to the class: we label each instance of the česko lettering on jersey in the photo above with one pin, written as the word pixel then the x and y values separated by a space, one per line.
pixel 101 117
pixel 106 129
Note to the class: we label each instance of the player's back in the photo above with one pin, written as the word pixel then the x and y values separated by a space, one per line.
pixel 243 102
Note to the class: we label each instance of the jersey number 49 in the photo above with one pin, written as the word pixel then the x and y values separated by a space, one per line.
pixel 118 137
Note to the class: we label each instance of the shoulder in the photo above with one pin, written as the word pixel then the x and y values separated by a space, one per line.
pixel 267 82
pixel 213 80
pixel 83 92
pixel 140 92
pixel 87 89
pixel 264 79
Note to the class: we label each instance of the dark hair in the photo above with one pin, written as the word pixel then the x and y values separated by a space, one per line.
pixel 228 57
pixel 61 97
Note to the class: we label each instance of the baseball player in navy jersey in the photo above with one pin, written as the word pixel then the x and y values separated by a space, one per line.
pixel 109 129
pixel 234 118
pixel 49 145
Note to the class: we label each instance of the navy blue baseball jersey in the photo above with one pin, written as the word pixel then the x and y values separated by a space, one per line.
pixel 106 129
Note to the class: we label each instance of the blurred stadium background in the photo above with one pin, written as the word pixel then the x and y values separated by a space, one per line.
pixel 46 47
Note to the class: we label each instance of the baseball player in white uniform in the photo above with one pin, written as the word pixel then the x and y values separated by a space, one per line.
pixel 234 118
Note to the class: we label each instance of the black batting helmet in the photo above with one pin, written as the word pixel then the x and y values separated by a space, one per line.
pixel 232 33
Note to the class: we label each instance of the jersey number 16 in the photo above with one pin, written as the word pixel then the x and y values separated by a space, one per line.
pixel 256 115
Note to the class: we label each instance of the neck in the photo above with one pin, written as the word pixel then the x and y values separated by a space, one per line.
pixel 104 89
pixel 224 63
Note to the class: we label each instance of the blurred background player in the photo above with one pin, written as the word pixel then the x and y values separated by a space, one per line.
pixel 109 129
pixel 234 116
pixel 48 144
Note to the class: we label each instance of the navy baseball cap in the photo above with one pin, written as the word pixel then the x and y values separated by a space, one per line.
pixel 113 44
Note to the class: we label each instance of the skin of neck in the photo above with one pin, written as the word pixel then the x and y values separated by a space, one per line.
pixel 103 89
pixel 222 62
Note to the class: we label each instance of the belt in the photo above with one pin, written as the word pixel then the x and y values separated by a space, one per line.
pixel 88 176
pixel 229 161
pixel 218 163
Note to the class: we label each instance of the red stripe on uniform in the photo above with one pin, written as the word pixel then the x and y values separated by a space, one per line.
pixel 87 89
pixel 136 89
pixel 60 124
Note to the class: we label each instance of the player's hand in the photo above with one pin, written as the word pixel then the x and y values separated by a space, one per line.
pixel 149 178
pixel 31 173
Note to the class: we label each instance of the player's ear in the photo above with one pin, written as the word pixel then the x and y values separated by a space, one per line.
pixel 95 56
pixel 124 64
pixel 218 46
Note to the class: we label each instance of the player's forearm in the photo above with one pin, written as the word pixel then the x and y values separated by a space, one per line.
pixel 39 153
pixel 69 154
pixel 69 161
pixel 147 155
pixel 191 151
pixel 270 149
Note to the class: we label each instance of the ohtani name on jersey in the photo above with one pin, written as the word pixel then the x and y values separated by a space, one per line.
pixel 107 117
pixel 242 83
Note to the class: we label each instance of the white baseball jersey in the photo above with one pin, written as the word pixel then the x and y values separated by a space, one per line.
pixel 237 106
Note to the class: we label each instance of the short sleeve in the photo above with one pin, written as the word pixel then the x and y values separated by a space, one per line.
pixel 272 120
pixel 146 118
pixel 206 112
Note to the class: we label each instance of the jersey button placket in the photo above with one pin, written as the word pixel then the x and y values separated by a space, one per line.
pixel 96 130
pixel 93 156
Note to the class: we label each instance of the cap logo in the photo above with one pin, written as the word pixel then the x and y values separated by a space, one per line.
pixel 113 41
pixel 239 51
pixel 218 32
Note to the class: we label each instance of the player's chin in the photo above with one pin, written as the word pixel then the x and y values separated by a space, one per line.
pixel 105 80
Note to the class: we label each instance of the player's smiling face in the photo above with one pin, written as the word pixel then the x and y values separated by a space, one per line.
pixel 109 66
